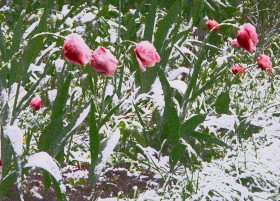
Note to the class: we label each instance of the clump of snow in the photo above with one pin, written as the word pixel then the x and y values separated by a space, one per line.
pixel 224 121
pixel 45 161
pixel 152 155
pixel 59 63
pixel 179 85
pixel 157 95
pixel 16 138
pixel 52 95
pixel 30 29
pixel 87 18
pixel 107 151
pixel 65 10
pixel 80 29
pixel 175 73
pixel 34 68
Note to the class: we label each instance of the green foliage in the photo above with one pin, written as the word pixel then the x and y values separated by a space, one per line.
pixel 130 106
pixel 222 103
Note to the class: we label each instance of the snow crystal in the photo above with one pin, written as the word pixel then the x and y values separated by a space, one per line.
pixel 16 138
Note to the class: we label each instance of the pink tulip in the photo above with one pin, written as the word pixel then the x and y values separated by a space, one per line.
pixel 264 63
pixel 146 55
pixel 235 69
pixel 36 103
pixel 104 62
pixel 247 37
pixel 211 24
pixel 234 43
pixel 75 50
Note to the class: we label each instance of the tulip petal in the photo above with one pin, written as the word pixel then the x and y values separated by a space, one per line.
pixel 142 68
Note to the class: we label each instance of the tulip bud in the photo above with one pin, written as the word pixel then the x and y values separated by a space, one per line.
pixel 264 63
pixel 235 69
pixel 36 103
pixel 247 37
pixel 211 24
pixel 104 62
pixel 146 55
pixel 75 50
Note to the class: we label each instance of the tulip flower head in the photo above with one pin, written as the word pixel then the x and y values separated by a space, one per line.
pixel 36 103
pixel 75 50
pixel 146 55
pixel 234 43
pixel 247 37
pixel 236 68
pixel 104 62
pixel 211 24
pixel 264 63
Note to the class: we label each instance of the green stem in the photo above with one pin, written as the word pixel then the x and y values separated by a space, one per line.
pixel 102 101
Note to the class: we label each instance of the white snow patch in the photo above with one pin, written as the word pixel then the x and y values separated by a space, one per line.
pixel 12 94
pixel 179 85
pixel 45 161
pixel 30 29
pixel 225 121
pixel 52 95
pixel 15 136
pixel 59 63
pixel 87 18
pixel 34 68
pixel 177 72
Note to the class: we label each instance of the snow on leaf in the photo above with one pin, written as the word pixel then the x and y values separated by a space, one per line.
pixel 45 161
pixel 15 136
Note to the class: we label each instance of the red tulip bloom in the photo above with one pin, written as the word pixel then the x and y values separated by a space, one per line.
pixel 75 50
pixel 211 24
pixel 264 63
pixel 234 43
pixel 235 69
pixel 247 37
pixel 146 55
pixel 104 62
pixel 36 103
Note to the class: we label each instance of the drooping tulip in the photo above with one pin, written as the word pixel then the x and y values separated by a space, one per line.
pixel 211 24
pixel 146 55
pixel 247 37
pixel 234 43
pixel 236 68
pixel 104 62
pixel 75 50
pixel 264 63
pixel 36 103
